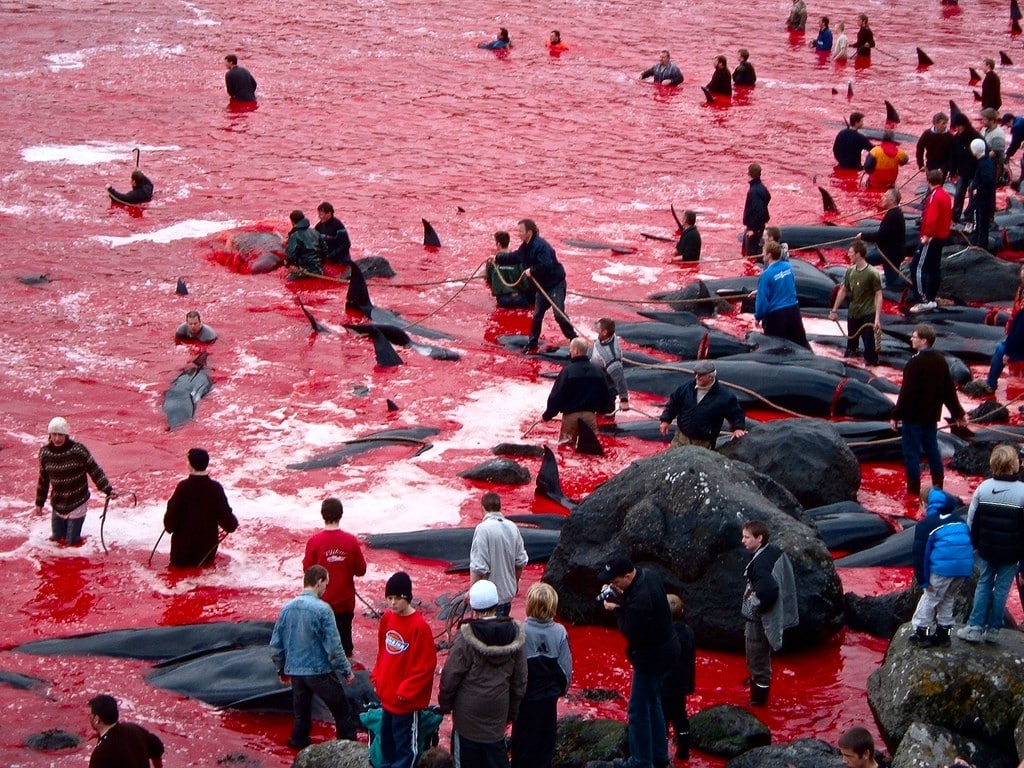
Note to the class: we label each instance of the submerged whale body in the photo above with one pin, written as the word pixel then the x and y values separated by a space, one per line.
pixel 410 436
pixel 189 387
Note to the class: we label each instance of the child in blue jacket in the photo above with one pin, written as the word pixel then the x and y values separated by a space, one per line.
pixel 943 555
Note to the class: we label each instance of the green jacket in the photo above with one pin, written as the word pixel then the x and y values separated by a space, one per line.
pixel 305 248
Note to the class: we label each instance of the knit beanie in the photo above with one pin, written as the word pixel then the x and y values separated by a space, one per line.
pixel 483 595
pixel 58 426
pixel 399 585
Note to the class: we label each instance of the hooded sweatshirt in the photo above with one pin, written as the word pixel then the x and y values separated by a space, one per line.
pixel 883 164
pixel 942 541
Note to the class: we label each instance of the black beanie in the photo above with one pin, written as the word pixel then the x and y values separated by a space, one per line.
pixel 399 585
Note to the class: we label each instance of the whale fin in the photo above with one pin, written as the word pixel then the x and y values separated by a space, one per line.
pixel 430 237
pixel 181 289
pixel 382 349
pixel 1005 60
pixel 891 115
pixel 1015 27
pixel 358 295
pixel 587 442
pixel 392 405
pixel 975 77
pixel 849 91
pixel 828 203
pixel 954 110
pixel 977 96
pixel 548 484
pixel 317 328
pixel 1015 13
pixel 923 59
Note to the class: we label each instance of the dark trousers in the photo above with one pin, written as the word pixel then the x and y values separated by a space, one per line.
pixel 960 196
pixel 534 732
pixel 786 323
pixel 983 213
pixel 917 439
pixel 540 308
pixel 926 269
pixel 865 336
pixel 399 739
pixel 331 692
pixel 344 622
pixel 673 705
pixel 752 245
pixel 478 754
pixel 759 653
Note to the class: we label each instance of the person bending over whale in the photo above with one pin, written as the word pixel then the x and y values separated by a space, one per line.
pixel 193 329
pixel 240 83
pixel 776 306
pixel 141 191
pixel 698 408
pixel 305 249
pixel 539 258
pixel 664 72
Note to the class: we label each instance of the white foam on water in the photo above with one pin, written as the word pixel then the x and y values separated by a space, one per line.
pixel 88 153
pixel 184 230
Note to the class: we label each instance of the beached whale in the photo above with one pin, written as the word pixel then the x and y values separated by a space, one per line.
pixel 413 437
pixel 805 391
pixel 684 341
pixel 451 545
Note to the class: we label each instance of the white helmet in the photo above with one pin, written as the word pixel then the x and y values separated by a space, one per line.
pixel 59 426
pixel 978 147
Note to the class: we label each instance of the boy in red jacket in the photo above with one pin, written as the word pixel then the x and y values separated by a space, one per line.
pixel 403 674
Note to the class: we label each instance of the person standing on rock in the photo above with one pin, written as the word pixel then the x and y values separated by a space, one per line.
pixel 636 597
pixel 927 386
pixel 769 606
pixel 996 519
pixel 943 557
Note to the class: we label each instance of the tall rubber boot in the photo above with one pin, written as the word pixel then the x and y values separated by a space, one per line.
pixel 914 487
pixel 683 745
pixel 759 694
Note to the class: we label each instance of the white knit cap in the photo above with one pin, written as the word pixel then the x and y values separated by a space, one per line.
pixel 58 426
pixel 978 147
pixel 483 595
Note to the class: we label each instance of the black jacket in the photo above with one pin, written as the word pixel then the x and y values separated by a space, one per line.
pixel 927 386
pixel 336 239
pixel 755 208
pixel 759 574
pixel 644 618
pixel 538 257
pixel 581 386
pixel 703 421
pixel 689 244
pixel 848 146
pixel 997 529
pixel 963 163
pixel 891 237
pixel 240 83
pixel 195 510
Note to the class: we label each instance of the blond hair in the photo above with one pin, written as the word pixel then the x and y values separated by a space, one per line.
pixel 541 602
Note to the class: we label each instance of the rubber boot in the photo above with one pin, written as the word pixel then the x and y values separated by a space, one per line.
pixel 759 694
pixel 922 639
pixel 914 487
pixel 937 482
pixel 683 745
pixel 941 639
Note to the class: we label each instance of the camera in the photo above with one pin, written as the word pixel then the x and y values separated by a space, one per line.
pixel 607 593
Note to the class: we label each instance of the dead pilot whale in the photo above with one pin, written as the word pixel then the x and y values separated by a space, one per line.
pixel 189 387
pixel 414 437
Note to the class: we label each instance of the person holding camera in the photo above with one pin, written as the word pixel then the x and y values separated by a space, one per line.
pixel 636 597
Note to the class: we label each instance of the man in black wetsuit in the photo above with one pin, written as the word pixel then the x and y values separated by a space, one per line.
pixel 240 83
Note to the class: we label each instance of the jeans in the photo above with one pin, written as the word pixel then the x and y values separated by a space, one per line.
pixel 648 737
pixel 918 438
pixel 991 593
pixel 399 739
pixel 995 370
pixel 331 692
pixel 67 528
pixel 866 337
pixel 540 308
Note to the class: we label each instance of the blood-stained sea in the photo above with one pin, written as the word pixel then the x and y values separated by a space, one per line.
pixel 387 109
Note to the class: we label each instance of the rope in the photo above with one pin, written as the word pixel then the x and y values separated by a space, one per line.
pixel 374 613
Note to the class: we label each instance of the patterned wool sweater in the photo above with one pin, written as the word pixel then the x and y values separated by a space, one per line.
pixel 62 473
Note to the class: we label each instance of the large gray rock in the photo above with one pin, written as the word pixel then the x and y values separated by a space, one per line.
pixel 680 513
pixel 727 730
pixel 976 276
pixel 334 754
pixel 926 746
pixel 977 691
pixel 802 753
pixel 580 741
pixel 807 457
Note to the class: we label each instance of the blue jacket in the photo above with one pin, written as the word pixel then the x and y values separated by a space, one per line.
pixel 1016 137
pixel 776 289
pixel 942 541
pixel 305 640
pixel 823 42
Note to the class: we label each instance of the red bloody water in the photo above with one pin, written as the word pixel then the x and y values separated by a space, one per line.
pixel 388 110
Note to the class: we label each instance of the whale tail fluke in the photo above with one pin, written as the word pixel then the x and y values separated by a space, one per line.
pixel 430 237
pixel 587 442
pixel 548 484
pixel 828 203
pixel 358 295
pixel 317 327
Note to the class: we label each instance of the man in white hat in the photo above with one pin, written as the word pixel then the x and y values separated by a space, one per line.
pixel 483 681
pixel 63 466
